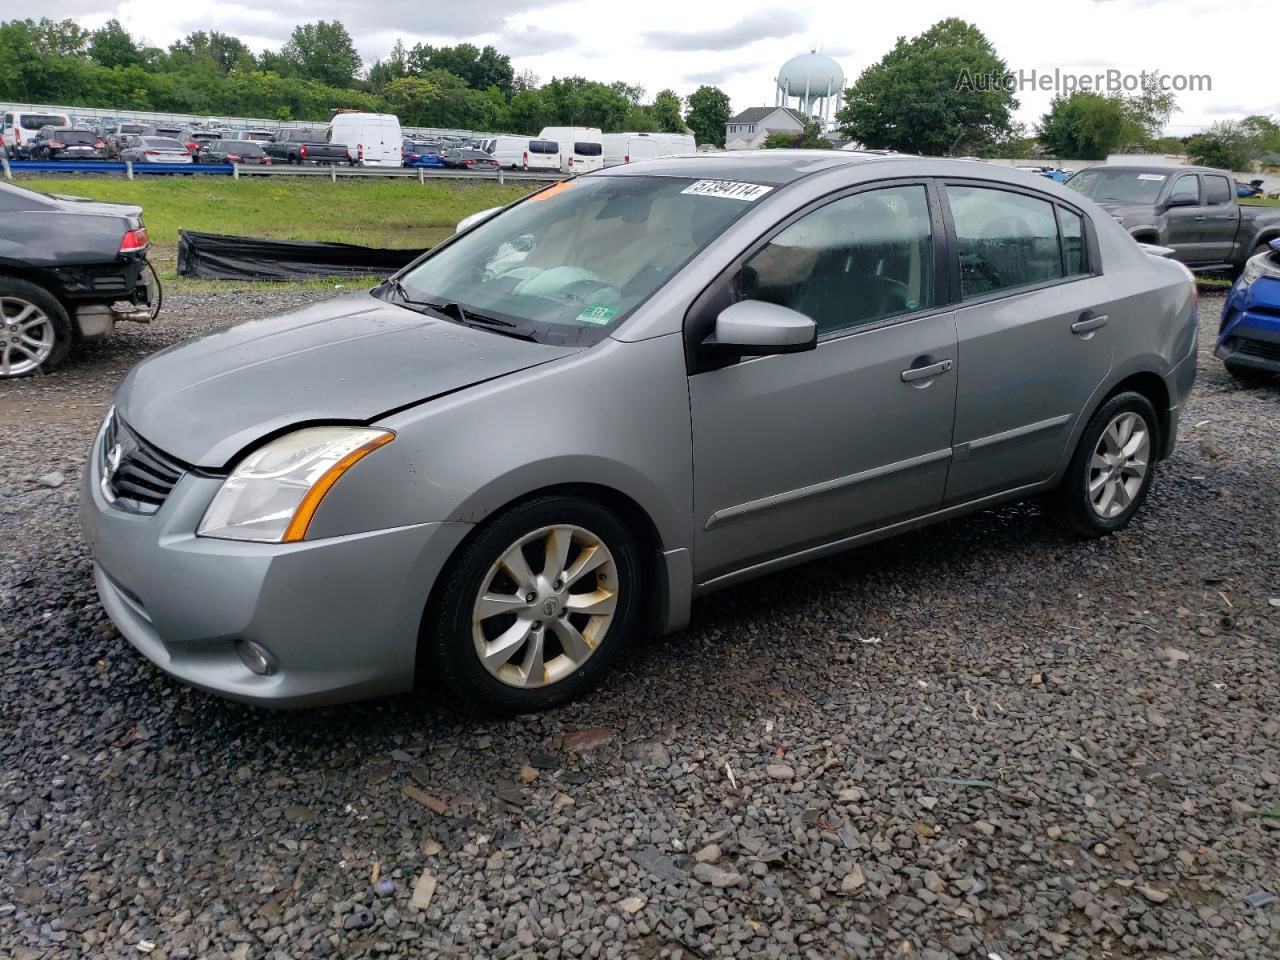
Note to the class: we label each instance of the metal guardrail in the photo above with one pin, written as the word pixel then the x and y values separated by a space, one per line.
pixel 236 171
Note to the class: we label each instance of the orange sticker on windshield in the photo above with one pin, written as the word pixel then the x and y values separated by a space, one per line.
pixel 552 190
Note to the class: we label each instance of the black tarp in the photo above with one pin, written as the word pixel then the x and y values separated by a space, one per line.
pixel 211 256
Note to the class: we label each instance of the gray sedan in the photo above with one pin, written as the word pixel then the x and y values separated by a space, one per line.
pixel 549 435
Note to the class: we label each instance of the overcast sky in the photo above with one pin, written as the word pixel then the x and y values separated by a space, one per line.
pixel 739 46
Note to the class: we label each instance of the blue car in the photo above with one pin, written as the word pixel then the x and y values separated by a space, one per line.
pixel 1249 335
pixel 421 154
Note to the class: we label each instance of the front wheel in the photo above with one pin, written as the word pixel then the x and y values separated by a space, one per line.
pixel 35 331
pixel 1112 468
pixel 535 608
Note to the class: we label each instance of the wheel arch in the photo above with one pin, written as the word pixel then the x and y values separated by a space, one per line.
pixel 629 511
pixel 1152 386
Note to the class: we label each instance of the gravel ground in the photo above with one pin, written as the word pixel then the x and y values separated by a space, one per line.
pixel 981 739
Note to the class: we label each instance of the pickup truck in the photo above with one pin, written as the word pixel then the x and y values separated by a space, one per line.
pixel 1191 210
pixel 306 146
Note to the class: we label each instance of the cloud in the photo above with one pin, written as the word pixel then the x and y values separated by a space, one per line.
pixel 721 74
pixel 532 41
pixel 757 26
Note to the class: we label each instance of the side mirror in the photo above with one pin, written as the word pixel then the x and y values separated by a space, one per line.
pixel 755 328
pixel 1182 202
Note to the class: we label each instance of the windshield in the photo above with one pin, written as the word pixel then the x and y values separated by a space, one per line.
pixel 1119 186
pixel 572 261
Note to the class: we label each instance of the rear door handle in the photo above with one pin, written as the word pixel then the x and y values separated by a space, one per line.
pixel 1089 322
pixel 913 374
pixel 1198 219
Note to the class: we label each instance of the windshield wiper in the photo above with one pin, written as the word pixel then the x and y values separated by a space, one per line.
pixel 453 309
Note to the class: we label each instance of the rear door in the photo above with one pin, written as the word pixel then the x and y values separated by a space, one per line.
pixel 1221 218
pixel 1035 340
pixel 797 450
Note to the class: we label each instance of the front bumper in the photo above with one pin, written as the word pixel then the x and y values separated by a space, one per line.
pixel 1249 335
pixel 340 616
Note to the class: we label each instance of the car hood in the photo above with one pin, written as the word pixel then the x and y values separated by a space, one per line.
pixel 352 359
pixel 1129 212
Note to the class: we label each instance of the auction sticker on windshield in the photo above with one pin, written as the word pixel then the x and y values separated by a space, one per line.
pixel 1151 176
pixel 728 189
pixel 597 314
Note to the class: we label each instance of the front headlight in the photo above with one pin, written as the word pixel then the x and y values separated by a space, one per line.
pixel 1263 265
pixel 274 492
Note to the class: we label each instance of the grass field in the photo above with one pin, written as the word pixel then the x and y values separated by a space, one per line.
pixel 376 213
pixel 1260 202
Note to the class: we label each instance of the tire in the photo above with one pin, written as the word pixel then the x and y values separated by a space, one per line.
pixel 1073 505
pixel 455 627
pixel 26 308
pixel 1247 376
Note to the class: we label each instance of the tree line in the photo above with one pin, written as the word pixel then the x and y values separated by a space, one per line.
pixel 319 71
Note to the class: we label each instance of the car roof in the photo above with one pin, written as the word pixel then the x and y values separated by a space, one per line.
pixel 1167 168
pixel 775 167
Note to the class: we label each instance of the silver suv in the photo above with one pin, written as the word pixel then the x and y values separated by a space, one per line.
pixel 560 426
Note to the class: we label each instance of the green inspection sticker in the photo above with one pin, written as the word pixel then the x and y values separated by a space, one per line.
pixel 598 314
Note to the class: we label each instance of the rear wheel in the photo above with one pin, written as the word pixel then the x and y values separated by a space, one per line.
pixel 535 608
pixel 35 331
pixel 1111 470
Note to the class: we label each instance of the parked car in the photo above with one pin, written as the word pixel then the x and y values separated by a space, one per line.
pixel 1191 210
pixel 196 141
pixel 116 138
pixel 306 146
pixel 1245 191
pixel 262 136
pixel 466 158
pixel 67 143
pixel 156 150
pixel 235 151
pixel 421 154
pixel 19 128
pixel 1249 332
pixel 786 354
pixel 70 269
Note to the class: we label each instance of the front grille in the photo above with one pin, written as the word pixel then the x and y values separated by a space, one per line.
pixel 1259 348
pixel 136 476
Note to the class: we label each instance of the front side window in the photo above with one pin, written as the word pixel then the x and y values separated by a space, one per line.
pixel 1217 191
pixel 1186 188
pixel 855 261
pixel 1004 240
pixel 569 263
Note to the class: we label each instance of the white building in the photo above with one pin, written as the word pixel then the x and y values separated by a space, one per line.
pixel 748 129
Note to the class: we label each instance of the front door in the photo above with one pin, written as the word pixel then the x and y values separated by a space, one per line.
pixel 797 450
pixel 1035 340
pixel 1184 225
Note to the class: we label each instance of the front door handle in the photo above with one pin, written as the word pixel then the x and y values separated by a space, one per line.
pixel 1198 219
pixel 912 374
pixel 1089 322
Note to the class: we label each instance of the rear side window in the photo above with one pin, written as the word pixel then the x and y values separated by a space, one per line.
pixel 1217 191
pixel 855 261
pixel 588 149
pixel 34 121
pixel 1074 257
pixel 544 146
pixel 1005 240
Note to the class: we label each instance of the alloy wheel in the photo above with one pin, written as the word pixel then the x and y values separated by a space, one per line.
pixel 1119 465
pixel 545 605
pixel 26 336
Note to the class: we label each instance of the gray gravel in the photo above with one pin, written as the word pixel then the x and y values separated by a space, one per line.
pixel 981 739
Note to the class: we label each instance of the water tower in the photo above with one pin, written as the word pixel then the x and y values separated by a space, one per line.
pixel 814 81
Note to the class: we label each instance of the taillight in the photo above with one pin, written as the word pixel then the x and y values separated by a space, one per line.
pixel 193 146
pixel 469 163
pixel 359 151
pixel 234 158
pixel 526 159
pixel 626 158
pixel 99 144
pixel 302 151
pixel 151 153
pixel 134 241
pixel 57 144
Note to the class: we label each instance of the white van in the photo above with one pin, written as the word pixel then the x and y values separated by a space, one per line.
pixel 674 144
pixel 371 139
pixel 620 148
pixel 581 148
pixel 20 127
pixel 525 153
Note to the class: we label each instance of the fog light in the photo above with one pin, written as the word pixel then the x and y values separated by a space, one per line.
pixel 256 657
